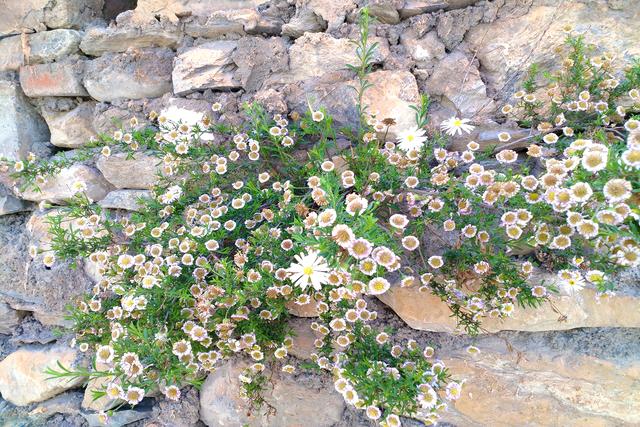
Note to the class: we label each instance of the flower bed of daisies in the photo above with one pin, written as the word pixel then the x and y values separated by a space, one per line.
pixel 239 233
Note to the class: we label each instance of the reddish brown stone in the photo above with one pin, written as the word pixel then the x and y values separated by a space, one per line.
pixel 52 80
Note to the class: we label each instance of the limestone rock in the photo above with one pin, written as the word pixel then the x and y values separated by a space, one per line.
pixel 454 24
pixel 305 21
pixel 135 74
pixel 42 14
pixel 71 129
pixel 332 11
pixel 9 318
pixel 103 403
pixel 139 172
pixel 509 45
pixel 296 401
pixel 584 377
pixel 315 54
pixel 192 7
pixel 425 311
pixel 392 95
pixel 132 31
pixel 56 79
pixel 207 66
pixel 258 59
pixel 10 204
pixel 118 418
pixel 22 377
pixel 21 127
pixel 124 199
pixel 46 46
pixel 457 81
pixel 57 188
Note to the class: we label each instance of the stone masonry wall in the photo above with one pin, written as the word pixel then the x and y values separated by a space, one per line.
pixel 70 69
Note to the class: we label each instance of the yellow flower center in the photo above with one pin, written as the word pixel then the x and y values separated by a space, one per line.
pixel 307 271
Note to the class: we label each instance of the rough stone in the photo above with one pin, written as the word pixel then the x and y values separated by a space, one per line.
pixel 46 46
pixel 9 318
pixel 454 24
pixel 418 7
pixel 22 377
pixel 118 418
pixel 131 31
pixel 192 7
pixel 10 204
pixel 102 403
pixel 56 79
pixel 207 66
pixel 386 11
pixel 21 127
pixel 71 129
pixel 315 54
pixel 184 413
pixel 584 377
pixel 258 59
pixel 332 11
pixel 509 45
pixel 305 21
pixel 457 81
pixel 117 167
pixel 57 188
pixel 425 311
pixel 426 50
pixel 38 15
pixel 296 401
pixel 135 74
pixel 223 24
pixel 124 199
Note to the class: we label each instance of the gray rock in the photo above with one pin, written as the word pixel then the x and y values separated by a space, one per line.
pixel 305 21
pixel 58 188
pixel 259 59
pixel 206 66
pixel 184 413
pixel 117 419
pixel 454 24
pixel 386 11
pixel 418 7
pixel 21 127
pixel 71 129
pixel 9 318
pixel 223 24
pixel 46 46
pixel 139 172
pixel 124 199
pixel 426 50
pixel 136 74
pixel 10 204
pixel 131 31
pixel 42 14
pixel 56 79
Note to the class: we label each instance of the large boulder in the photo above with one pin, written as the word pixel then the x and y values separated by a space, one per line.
pixel 295 401
pixel 131 31
pixel 22 374
pixel 135 74
pixel 425 311
pixel 507 47
pixel 21 127
pixel 583 377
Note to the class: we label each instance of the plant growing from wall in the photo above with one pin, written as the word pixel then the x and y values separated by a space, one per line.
pixel 237 235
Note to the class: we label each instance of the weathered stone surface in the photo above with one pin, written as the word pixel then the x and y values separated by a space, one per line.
pixel 296 401
pixel 193 7
pixel 22 377
pixel 258 59
pixel 305 21
pixel 135 74
pixel 10 204
pixel 386 11
pixel 103 403
pixel 417 7
pixel 58 188
pixel 424 311
pixel 118 418
pixel 183 413
pixel 457 81
pixel 46 46
pixel 9 318
pixel 509 45
pixel 21 127
pixel 116 169
pixel 315 54
pixel 207 66
pixel 332 11
pixel 222 24
pixel 30 15
pixel 124 199
pixel 426 50
pixel 453 24
pixel 584 377
pixel 71 129
pixel 56 79
pixel 130 31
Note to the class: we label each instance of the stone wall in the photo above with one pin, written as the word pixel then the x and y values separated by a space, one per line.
pixel 70 69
